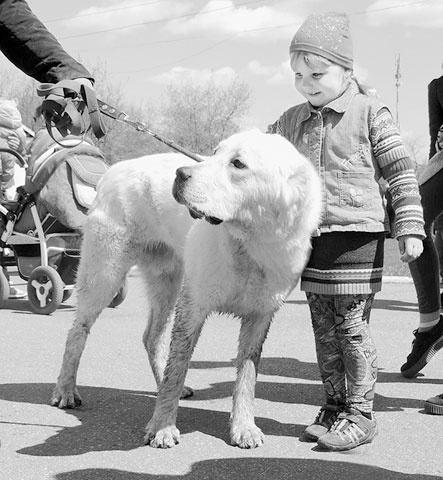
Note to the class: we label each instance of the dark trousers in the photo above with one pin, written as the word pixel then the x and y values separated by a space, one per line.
pixel 425 270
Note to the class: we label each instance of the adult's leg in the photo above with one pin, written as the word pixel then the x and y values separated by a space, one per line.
pixel 426 275
pixel 438 240
pixel 425 270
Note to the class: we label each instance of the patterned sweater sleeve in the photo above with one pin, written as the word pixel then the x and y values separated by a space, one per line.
pixel 398 170
pixel 277 126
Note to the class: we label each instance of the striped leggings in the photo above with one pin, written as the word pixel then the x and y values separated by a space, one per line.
pixel 346 353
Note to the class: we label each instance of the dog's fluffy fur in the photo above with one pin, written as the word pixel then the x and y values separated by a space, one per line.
pixel 262 202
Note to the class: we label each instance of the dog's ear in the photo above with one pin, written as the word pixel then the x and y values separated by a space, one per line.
pixel 294 188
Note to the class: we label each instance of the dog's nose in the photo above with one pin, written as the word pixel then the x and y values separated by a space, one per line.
pixel 183 173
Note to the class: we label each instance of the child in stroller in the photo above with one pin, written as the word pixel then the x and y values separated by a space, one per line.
pixel 12 137
pixel 42 225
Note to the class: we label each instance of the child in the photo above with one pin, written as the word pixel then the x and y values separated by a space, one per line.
pixel 12 136
pixel 351 138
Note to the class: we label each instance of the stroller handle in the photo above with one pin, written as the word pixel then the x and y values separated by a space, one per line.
pixel 20 158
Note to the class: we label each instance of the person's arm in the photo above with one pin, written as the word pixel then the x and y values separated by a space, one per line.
pixel 398 170
pixel 435 111
pixel 26 42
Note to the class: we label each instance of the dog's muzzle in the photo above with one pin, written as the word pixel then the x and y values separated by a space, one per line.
pixel 183 174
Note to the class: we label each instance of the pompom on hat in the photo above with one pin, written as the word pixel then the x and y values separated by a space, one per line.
pixel 327 35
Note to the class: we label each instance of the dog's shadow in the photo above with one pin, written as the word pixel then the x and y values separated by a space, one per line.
pixel 114 419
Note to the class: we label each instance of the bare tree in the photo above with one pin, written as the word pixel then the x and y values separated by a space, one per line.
pixel 122 141
pixel 196 116
pixel 199 115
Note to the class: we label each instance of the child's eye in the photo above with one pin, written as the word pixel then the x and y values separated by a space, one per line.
pixel 317 75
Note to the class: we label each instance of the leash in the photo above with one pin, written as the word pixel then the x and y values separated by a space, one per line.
pixel 74 109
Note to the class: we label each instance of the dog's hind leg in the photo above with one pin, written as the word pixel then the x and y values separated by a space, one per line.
pixel 102 270
pixel 244 432
pixel 163 273
pixel 161 431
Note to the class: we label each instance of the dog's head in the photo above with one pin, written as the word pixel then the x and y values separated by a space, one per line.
pixel 252 180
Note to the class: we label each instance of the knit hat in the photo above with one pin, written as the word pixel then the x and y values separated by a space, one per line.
pixel 327 35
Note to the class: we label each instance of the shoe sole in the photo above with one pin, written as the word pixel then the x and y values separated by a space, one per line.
pixel 337 448
pixel 424 359
pixel 433 409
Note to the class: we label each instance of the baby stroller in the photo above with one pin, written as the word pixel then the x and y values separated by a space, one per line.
pixel 40 229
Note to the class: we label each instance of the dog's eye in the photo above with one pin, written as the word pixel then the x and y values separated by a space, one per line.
pixel 237 163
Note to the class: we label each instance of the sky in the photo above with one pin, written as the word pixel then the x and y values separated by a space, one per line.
pixel 144 45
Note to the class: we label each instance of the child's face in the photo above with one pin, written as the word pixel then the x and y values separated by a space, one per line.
pixel 319 83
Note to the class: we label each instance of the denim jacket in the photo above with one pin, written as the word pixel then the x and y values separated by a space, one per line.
pixel 336 138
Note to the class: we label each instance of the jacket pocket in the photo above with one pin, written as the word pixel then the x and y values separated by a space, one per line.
pixel 357 189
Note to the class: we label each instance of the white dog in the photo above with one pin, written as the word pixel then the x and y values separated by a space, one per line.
pixel 262 202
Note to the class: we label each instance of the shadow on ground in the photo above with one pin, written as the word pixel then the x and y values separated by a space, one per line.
pixel 294 368
pixel 379 304
pixel 113 419
pixel 257 469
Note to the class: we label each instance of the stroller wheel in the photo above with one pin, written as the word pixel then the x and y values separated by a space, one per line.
pixel 4 286
pixel 45 290
pixel 121 295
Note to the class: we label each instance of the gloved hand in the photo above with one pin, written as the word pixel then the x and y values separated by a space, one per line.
pixel 71 107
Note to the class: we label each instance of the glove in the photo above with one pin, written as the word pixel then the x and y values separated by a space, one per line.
pixel 71 107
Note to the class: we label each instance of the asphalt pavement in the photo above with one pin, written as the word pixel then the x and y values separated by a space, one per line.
pixel 102 440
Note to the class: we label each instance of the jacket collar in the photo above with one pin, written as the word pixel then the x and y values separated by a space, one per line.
pixel 339 105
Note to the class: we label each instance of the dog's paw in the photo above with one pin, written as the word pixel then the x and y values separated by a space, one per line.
pixel 187 392
pixel 166 437
pixel 247 436
pixel 66 398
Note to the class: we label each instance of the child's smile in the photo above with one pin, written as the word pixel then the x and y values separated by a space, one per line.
pixel 319 84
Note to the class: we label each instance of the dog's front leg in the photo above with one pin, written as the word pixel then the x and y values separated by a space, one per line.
pixel 244 432
pixel 161 431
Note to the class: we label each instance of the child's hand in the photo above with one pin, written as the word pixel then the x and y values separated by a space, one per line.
pixel 13 141
pixel 411 247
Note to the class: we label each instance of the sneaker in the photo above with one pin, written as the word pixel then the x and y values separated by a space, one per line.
pixel 350 430
pixel 325 419
pixel 15 293
pixel 434 405
pixel 424 347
